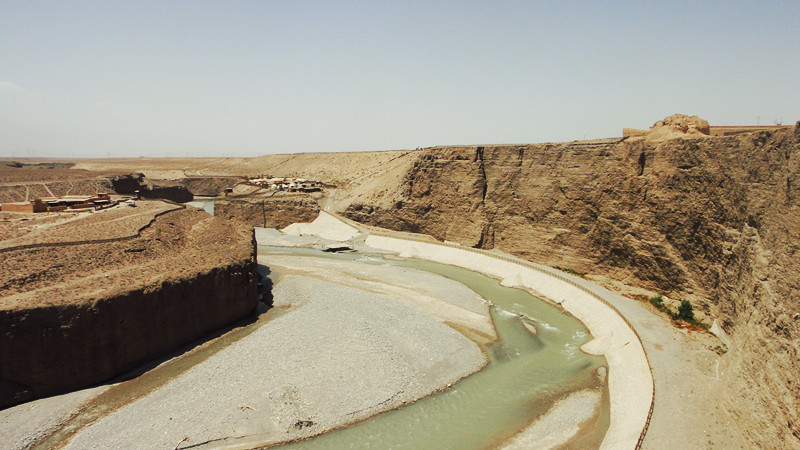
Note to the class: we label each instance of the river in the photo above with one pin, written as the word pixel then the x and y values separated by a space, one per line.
pixel 525 376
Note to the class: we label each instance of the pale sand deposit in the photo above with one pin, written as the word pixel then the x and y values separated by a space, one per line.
pixel 341 354
pixel 22 425
pixel 435 296
pixel 559 425
pixel 325 226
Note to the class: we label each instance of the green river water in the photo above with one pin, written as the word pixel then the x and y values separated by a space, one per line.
pixel 525 376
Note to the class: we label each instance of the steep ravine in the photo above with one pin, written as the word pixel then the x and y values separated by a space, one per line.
pixel 713 220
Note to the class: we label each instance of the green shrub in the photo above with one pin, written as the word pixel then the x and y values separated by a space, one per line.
pixel 658 302
pixel 572 271
pixel 685 311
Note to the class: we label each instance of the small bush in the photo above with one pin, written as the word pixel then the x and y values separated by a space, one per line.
pixel 685 311
pixel 572 271
pixel 658 302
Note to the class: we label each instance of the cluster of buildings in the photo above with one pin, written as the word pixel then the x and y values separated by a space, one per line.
pixel 56 204
pixel 290 184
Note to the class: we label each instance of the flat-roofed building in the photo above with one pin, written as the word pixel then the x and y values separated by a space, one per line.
pixel 26 207
pixel 56 204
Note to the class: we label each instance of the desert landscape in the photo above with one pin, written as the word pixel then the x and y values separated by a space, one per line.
pixel 688 232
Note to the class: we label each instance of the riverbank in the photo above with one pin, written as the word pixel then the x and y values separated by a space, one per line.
pixel 689 398
pixel 376 353
pixel 630 381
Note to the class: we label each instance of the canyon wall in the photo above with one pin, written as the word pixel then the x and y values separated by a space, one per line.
pixel 208 186
pixel 77 315
pixel 54 349
pixel 268 212
pixel 713 220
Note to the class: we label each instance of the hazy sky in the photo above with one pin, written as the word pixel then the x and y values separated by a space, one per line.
pixel 229 78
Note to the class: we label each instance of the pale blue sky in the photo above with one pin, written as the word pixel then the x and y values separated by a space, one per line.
pixel 208 78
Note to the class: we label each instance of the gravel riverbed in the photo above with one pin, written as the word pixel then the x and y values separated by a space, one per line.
pixel 340 354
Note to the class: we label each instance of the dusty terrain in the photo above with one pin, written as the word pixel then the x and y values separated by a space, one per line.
pixel 28 182
pixel 25 229
pixel 24 183
pixel 711 219
pixel 374 174
pixel 80 313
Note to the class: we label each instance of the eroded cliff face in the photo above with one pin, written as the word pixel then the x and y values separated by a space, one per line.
pixel 76 315
pixel 714 220
pixel 268 212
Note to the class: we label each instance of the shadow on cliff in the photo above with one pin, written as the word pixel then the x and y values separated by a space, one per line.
pixel 264 286
pixel 148 377
pixel 202 348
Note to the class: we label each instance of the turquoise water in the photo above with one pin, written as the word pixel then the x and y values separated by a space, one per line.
pixel 526 374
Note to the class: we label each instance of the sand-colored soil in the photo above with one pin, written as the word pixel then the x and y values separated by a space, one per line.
pixel 119 221
pixel 177 244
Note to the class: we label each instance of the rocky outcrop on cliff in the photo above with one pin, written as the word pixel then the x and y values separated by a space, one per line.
pixel 268 212
pixel 674 126
pixel 713 220
pixel 80 314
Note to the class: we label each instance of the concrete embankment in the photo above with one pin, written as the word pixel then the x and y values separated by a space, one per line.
pixel 630 380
